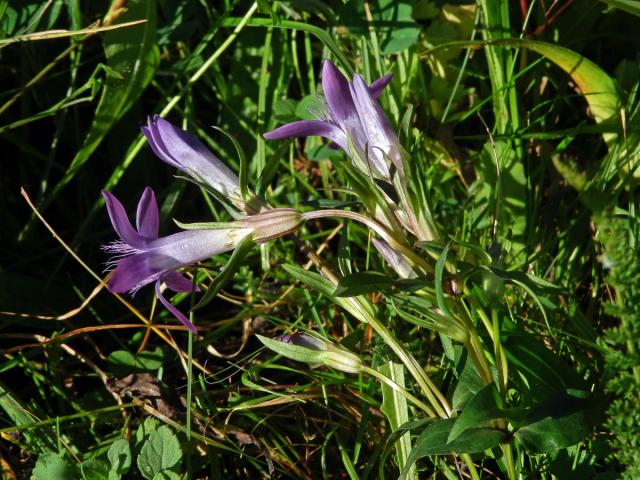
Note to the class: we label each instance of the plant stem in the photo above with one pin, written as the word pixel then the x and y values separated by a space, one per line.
pixel 384 379
pixel 376 227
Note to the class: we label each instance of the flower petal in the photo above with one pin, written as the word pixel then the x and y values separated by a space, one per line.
pixel 121 223
pixel 381 139
pixel 184 151
pixel 379 85
pixel 134 272
pixel 309 128
pixel 192 246
pixel 303 340
pixel 173 310
pixel 147 216
pixel 397 261
pixel 336 91
pixel 179 283
pixel 156 144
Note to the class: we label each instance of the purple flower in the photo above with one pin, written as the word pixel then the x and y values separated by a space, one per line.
pixel 353 114
pixel 141 257
pixel 185 152
pixel 394 258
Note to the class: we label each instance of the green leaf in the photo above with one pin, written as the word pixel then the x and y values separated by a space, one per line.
pixel 433 441
pixel 144 431
pixel 52 466
pixel 19 414
pixel 392 20
pixel 484 407
pixel 629 6
pixel 439 271
pixel 160 452
pixel 394 406
pixel 545 373
pixel 166 475
pixel 560 422
pixel 94 469
pixel 311 279
pixel 309 107
pixel 320 283
pixel 133 54
pixel 421 312
pixel 293 352
pixel 469 382
pixel 238 256
pixel 119 456
pixel 535 284
pixel 123 362
pixel 360 283
pixel 325 37
pixel 243 173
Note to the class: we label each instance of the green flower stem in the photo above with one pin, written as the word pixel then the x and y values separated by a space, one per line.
pixel 466 458
pixel 402 391
pixel 412 256
pixel 431 392
pixel 437 400
pixel 474 347
pixel 507 451
pixel 501 358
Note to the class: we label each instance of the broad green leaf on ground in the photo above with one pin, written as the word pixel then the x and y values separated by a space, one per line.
pixel 94 469
pixel 166 475
pixel 486 406
pixel 119 456
pixel 132 58
pixel 123 362
pixel 433 441
pixel 144 431
pixel 160 452
pixel 52 466
pixel 545 372
pixel 560 422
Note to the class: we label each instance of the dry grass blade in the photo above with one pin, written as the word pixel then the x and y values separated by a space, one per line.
pixel 49 34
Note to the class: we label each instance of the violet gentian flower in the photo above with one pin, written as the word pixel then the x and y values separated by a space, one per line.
pixel 141 257
pixel 185 152
pixel 353 116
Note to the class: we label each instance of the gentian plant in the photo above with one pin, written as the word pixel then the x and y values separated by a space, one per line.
pixel 449 287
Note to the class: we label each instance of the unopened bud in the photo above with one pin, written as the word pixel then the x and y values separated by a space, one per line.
pixel 314 350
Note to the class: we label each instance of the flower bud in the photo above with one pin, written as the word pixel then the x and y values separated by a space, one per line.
pixel 314 350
